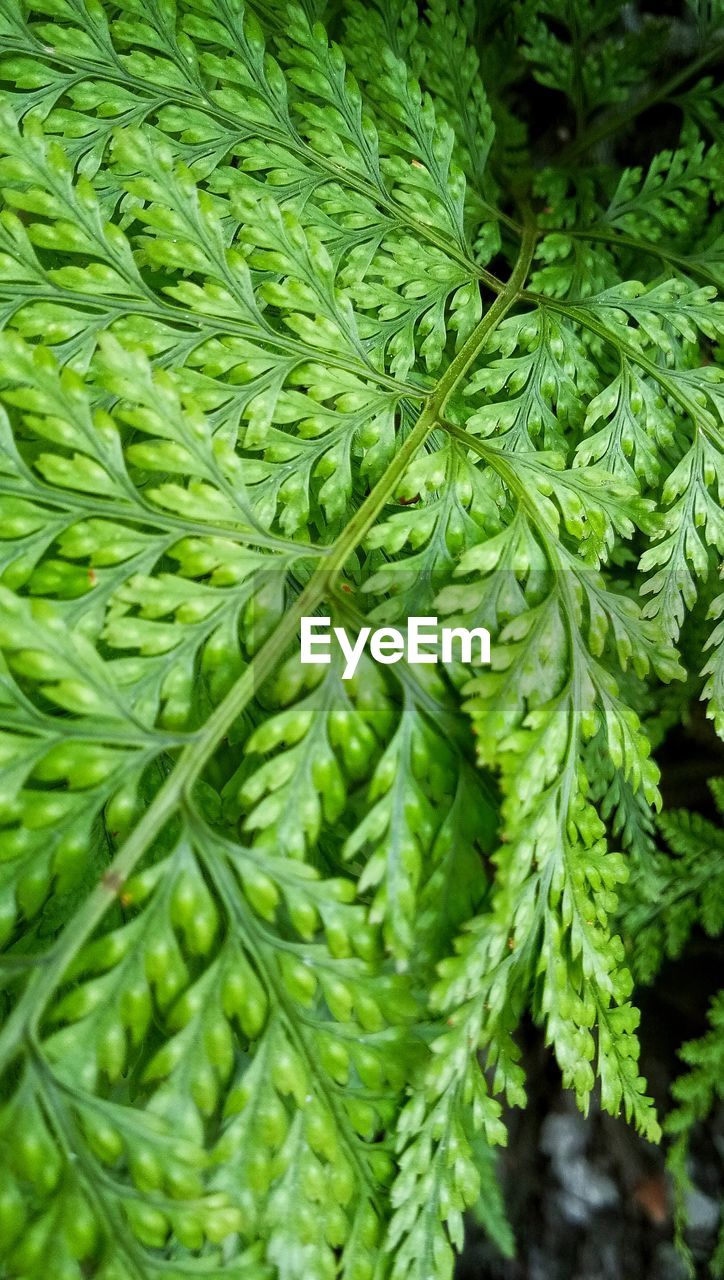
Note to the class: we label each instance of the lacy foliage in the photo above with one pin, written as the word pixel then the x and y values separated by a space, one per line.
pixel 283 332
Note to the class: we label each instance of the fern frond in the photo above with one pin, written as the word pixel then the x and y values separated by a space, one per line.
pixel 287 332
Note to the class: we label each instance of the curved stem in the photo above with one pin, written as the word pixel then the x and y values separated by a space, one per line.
pixel 622 241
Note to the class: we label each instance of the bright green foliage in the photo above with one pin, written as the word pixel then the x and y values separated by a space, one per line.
pixel 293 320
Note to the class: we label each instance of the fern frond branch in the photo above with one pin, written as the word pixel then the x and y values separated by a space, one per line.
pixel 75 1152
pixel 80 509
pixel 210 327
pixel 503 466
pixel 407 676
pixel 238 910
pixel 560 787
pixel 77 506
pixel 201 102
pixel 44 982
pixel 612 123
pixel 506 470
pixel 76 1097
pixel 701 419
pixel 644 246
pixel 95 1178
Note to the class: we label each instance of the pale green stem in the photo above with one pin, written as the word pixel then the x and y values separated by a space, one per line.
pixel 49 975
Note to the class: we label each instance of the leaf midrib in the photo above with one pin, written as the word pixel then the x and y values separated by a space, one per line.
pixel 48 976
